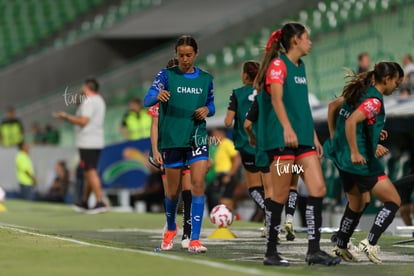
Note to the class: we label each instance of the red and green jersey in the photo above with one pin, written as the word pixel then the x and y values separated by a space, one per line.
pixel 367 135
pixel 295 99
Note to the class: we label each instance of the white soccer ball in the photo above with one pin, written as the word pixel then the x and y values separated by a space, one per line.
pixel 2 194
pixel 221 216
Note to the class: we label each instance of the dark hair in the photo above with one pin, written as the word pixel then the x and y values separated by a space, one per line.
pixel 251 68
pixel 10 109
pixel 361 55
pixel 92 84
pixel 136 100
pixel 279 42
pixel 171 63
pixel 187 40
pixel 20 145
pixel 359 84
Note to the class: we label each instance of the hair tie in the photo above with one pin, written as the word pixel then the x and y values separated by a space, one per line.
pixel 274 37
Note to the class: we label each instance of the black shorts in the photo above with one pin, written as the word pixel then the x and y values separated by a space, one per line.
pixel 179 157
pixel 364 183
pixel 89 158
pixel 291 153
pixel 226 190
pixel 248 161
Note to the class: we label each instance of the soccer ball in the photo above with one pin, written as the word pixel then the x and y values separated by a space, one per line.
pixel 2 194
pixel 221 216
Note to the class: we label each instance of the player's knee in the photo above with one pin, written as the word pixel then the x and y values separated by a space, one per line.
pixel 319 191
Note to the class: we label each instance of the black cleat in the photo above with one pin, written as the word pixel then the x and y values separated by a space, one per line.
pixel 275 260
pixel 321 257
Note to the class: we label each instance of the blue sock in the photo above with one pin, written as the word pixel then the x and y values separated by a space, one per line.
pixel 170 212
pixel 197 211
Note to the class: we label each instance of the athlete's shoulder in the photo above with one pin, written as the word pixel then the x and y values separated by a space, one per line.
pixel 278 62
pixel 204 72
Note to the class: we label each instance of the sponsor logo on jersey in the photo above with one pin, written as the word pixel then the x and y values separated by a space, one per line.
pixel 344 113
pixel 189 90
pixel 251 96
pixel 300 80
pixel 276 74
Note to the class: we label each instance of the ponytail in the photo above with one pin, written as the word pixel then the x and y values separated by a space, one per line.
pixel 278 43
pixel 358 86
pixel 273 50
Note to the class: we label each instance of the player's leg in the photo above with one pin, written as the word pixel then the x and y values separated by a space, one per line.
pixel 198 161
pixel 253 179
pixel 385 191
pixel 186 197
pixel 357 203
pixel 309 165
pixel 290 208
pixel 281 179
pixel 173 162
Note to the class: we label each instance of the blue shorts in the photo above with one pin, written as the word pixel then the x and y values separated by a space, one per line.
pixel 179 157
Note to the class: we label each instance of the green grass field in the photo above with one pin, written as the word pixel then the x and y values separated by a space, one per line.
pixel 49 239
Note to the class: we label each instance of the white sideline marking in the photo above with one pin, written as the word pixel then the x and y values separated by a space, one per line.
pixel 171 257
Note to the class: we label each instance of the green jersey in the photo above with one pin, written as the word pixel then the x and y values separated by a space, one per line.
pixel 240 102
pixel 367 135
pixel 295 100
pixel 177 126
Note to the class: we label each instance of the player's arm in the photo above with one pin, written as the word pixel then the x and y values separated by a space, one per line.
pixel 231 111
pixel 276 91
pixel 209 109
pixel 157 92
pixel 318 146
pixel 251 116
pixel 275 78
pixel 154 140
pixel 333 112
pixel 368 110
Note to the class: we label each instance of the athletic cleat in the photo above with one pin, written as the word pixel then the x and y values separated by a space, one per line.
pixel 80 207
pixel 371 251
pixel 290 234
pixel 263 233
pixel 99 208
pixel 344 254
pixel 275 260
pixel 279 238
pixel 185 242
pixel 196 247
pixel 321 257
pixel 168 239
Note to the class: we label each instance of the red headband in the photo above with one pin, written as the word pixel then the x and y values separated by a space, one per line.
pixel 274 37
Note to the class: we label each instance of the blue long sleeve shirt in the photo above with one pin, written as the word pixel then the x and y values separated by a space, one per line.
pixel 161 83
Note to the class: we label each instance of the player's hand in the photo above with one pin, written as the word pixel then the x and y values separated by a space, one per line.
pixel 383 135
pixel 201 113
pixel 319 149
pixel 291 140
pixel 358 159
pixel 252 140
pixel 163 96
pixel 381 151
pixel 157 158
